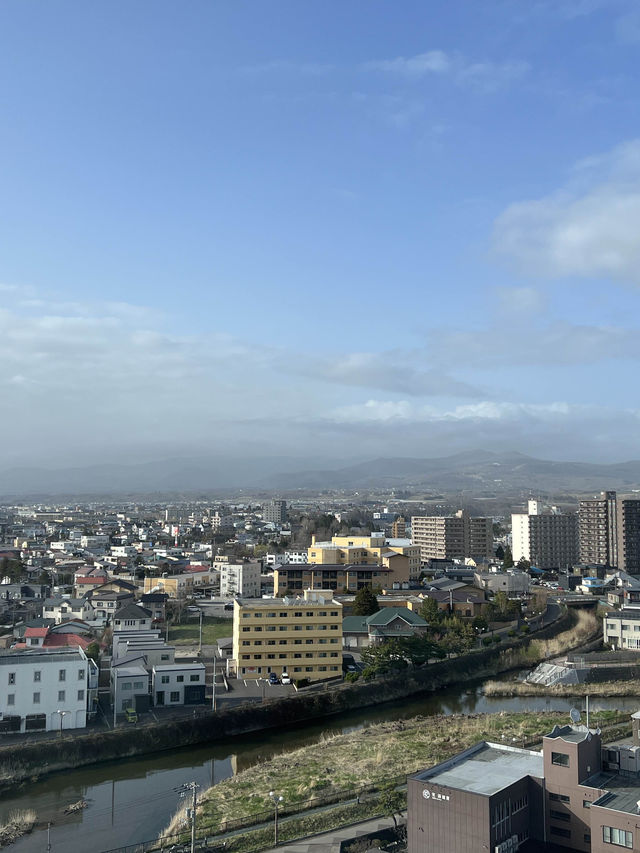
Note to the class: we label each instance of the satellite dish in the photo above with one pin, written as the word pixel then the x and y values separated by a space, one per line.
pixel 575 715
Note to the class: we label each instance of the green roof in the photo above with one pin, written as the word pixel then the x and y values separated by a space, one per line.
pixel 388 614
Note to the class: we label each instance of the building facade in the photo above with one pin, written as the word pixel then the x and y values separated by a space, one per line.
pixel 300 636
pixel 275 512
pixel 242 579
pixel 574 794
pixel 453 536
pixel 338 578
pixel 548 540
pixel 597 530
pixel 46 690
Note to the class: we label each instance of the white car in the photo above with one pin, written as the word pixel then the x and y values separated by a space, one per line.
pixel 284 678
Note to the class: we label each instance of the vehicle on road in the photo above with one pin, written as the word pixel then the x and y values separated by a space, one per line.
pixel 273 678
pixel 285 679
pixel 130 715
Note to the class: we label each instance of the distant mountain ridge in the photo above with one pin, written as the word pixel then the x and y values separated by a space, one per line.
pixel 478 471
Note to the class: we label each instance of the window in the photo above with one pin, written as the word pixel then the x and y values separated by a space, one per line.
pixel 308 642
pixel 246 630
pixel 561 831
pixel 586 804
pixel 281 656
pixel 12 678
pixel 560 798
pixel 271 657
pixel 246 642
pixel 180 679
pixel 138 685
pixel 308 669
pixel 271 642
pixel 611 835
pixel 11 699
pixel 36 698
pixel 61 695
pixel 164 679
pixel 560 758
pixel 80 674
pixel 297 655
pixel 556 815
pixel 297 642
pixel 195 677
pixel 175 696
pixel 257 657
pixel 297 627
pixel 282 628
pixel 164 657
pixel 37 675
pixel 62 675
pixel 271 628
pixel 80 695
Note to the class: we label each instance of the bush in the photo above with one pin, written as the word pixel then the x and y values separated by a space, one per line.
pixel 525 629
pixel 511 633
pixel 302 682
pixel 352 676
pixel 497 638
pixel 486 641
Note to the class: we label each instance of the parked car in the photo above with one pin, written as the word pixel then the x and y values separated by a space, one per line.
pixel 273 678
pixel 285 679
pixel 131 716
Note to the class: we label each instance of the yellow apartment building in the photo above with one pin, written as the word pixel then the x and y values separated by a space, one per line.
pixel 375 549
pixel 300 636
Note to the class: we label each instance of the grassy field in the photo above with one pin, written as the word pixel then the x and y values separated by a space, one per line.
pixel 365 758
pixel 213 628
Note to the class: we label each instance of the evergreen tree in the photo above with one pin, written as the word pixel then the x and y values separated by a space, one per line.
pixel 508 558
pixel 365 603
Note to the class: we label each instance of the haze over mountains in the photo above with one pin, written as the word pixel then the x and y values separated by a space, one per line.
pixel 473 471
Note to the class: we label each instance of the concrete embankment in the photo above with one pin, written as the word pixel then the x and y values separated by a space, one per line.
pixel 24 762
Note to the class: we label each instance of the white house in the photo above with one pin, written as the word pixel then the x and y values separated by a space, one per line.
pixel 179 684
pixel 61 609
pixel 45 690
pixel 128 682
pixel 131 617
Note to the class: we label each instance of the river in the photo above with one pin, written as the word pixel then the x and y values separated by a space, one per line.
pixel 132 800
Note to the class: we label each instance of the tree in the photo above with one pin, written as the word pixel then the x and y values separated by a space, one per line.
pixel 499 553
pixel 391 802
pixel 430 611
pixel 507 562
pixel 93 651
pixel 523 564
pixel 365 603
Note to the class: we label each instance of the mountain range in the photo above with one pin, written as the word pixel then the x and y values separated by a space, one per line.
pixel 476 472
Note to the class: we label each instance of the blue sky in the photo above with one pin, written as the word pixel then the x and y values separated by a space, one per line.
pixel 328 228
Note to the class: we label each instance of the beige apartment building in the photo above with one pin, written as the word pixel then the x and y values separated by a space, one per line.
pixel 447 537
pixel 373 550
pixel 300 636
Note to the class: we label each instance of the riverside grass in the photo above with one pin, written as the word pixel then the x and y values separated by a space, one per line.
pixel 18 824
pixel 603 689
pixel 364 758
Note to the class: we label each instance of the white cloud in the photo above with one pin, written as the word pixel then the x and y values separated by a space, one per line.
pixel 590 228
pixel 486 76
pixel 405 410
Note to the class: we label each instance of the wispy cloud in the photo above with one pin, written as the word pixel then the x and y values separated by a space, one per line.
pixel 482 75
pixel 286 66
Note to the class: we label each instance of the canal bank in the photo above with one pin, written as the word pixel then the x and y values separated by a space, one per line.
pixel 133 800
pixel 33 759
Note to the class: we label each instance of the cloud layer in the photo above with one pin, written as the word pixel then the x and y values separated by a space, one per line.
pixel 590 228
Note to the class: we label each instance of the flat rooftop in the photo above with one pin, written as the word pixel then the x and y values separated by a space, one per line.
pixel 485 768
pixel 621 796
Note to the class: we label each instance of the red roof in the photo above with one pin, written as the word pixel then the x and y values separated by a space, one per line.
pixel 89 580
pixel 194 568
pixel 36 632
pixel 56 640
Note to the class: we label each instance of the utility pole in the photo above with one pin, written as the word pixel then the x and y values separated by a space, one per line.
pixel 193 787
pixel 200 637
pixel 49 838
pixel 213 696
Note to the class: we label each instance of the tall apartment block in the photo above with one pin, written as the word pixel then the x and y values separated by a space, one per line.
pixel 548 540
pixel 628 524
pixel 609 529
pixel 449 537
pixel 275 512
pixel 597 530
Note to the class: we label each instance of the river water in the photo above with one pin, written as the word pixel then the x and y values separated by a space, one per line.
pixel 131 801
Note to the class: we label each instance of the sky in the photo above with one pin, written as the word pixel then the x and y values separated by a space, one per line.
pixel 319 228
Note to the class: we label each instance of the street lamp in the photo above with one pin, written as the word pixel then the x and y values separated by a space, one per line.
pixel 62 716
pixel 276 800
